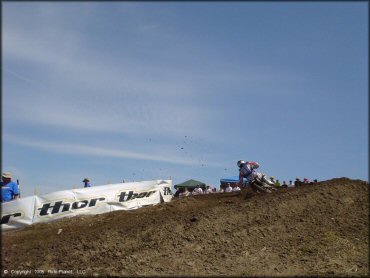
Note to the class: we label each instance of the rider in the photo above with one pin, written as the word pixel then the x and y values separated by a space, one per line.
pixel 246 170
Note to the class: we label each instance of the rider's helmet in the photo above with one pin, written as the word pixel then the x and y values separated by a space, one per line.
pixel 241 163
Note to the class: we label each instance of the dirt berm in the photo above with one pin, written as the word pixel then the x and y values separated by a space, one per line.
pixel 309 230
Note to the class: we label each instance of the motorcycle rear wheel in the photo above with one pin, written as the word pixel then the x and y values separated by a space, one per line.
pixel 261 188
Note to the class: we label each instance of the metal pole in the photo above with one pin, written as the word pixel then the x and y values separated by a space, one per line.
pixel 19 190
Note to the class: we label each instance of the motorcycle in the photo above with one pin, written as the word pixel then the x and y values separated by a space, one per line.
pixel 260 183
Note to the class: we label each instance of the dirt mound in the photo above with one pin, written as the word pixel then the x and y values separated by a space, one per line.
pixel 309 230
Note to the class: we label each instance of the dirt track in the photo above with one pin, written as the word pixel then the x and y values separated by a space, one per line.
pixel 308 230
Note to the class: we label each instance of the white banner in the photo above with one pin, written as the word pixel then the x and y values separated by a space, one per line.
pixel 92 200
pixel 17 214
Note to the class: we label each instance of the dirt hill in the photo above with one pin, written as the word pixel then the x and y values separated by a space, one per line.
pixel 309 230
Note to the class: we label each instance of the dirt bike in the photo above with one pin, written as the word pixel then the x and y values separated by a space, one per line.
pixel 260 183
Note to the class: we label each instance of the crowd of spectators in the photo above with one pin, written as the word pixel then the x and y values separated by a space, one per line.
pixel 305 181
pixel 10 189
pixel 185 192
pixel 297 182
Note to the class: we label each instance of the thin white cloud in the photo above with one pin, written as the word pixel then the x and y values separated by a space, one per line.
pixel 75 61
pixel 131 75
pixel 114 99
pixel 85 88
pixel 115 116
pixel 20 77
pixel 79 149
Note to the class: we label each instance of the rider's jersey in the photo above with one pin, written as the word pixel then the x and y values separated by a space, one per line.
pixel 246 170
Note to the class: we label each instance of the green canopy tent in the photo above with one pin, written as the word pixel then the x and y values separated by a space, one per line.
pixel 190 185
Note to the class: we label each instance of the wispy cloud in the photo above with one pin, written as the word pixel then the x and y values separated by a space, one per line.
pixel 134 97
pixel 82 86
pixel 20 77
pixel 115 115
pixel 80 149
pixel 74 92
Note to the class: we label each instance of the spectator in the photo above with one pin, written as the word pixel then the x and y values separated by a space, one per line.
pixel 197 190
pixel 236 188
pixel 184 193
pixel 208 189
pixel 315 181
pixel 86 182
pixel 297 182
pixel 290 183
pixel 272 179
pixel 9 188
pixel 306 181
pixel 177 193
pixel 228 188
pixel 277 184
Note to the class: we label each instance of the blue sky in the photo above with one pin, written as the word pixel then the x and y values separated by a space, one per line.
pixel 145 90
